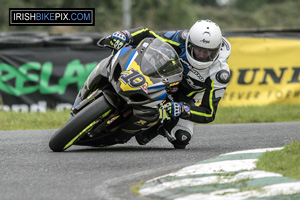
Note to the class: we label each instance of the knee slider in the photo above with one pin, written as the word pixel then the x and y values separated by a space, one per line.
pixel 182 137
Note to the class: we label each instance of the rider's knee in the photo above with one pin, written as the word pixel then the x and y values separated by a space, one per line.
pixel 182 139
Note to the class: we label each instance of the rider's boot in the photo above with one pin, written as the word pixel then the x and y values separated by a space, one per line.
pixel 146 136
pixel 182 139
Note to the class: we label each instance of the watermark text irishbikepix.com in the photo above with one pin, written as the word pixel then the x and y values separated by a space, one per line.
pixel 51 16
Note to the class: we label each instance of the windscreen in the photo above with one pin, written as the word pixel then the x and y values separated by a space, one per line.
pixel 160 60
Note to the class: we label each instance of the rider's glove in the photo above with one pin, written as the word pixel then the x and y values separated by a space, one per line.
pixel 119 39
pixel 177 109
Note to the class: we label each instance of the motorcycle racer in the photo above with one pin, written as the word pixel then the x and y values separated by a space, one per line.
pixel 204 53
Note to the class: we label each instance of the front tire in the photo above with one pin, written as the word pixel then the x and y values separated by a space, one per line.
pixel 69 132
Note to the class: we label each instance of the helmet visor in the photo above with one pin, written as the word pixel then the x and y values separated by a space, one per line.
pixel 202 54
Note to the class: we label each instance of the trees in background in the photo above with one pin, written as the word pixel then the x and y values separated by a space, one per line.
pixel 168 14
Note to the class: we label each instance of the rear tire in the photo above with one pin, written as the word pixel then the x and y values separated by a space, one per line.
pixel 79 122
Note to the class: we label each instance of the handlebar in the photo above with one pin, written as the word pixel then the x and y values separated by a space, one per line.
pixel 105 42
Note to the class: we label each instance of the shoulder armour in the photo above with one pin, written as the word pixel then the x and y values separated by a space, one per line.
pixel 182 36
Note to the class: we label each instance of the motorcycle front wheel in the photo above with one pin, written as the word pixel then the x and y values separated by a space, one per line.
pixel 75 127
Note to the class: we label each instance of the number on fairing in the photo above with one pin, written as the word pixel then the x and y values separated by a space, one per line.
pixel 134 78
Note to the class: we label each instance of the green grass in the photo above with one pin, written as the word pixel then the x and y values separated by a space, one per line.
pixel 225 115
pixel 30 121
pixel 285 161
pixel 258 114
pixel 136 187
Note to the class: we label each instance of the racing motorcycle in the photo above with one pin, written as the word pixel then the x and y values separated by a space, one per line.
pixel 122 96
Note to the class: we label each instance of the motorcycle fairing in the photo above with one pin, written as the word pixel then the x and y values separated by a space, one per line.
pixel 133 79
pixel 93 80
pixel 131 83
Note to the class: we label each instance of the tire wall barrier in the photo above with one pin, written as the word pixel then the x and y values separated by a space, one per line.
pixel 40 71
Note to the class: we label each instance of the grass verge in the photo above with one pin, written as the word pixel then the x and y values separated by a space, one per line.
pixel 258 114
pixel 225 115
pixel 136 187
pixel 30 121
pixel 285 161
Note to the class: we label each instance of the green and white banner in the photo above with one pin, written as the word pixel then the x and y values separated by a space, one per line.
pixel 36 79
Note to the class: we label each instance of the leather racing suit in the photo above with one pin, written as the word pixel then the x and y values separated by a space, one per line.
pixel 202 89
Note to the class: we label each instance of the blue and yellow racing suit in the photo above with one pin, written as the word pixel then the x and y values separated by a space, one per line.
pixel 202 89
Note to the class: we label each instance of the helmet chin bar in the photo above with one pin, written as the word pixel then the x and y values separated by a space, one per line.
pixel 197 64
pixel 204 55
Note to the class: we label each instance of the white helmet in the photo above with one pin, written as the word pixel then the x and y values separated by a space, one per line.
pixel 203 43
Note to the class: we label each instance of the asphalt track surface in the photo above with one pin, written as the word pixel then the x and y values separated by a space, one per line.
pixel 30 170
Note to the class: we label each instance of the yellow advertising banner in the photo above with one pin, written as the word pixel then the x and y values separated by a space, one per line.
pixel 263 71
